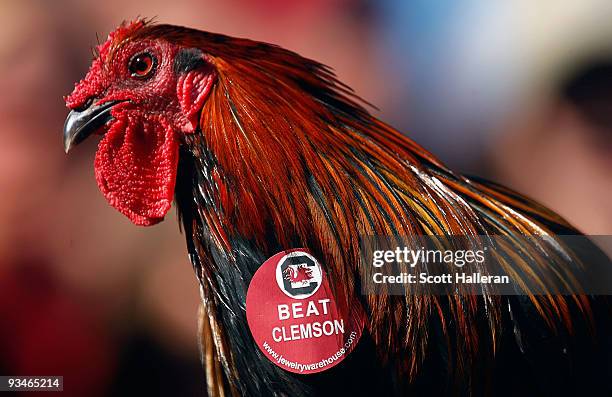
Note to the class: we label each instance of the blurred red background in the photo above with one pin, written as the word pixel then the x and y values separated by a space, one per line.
pixel 517 92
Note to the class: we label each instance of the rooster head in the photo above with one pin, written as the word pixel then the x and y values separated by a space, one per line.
pixel 141 93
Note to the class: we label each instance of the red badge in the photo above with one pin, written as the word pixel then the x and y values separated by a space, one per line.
pixel 294 317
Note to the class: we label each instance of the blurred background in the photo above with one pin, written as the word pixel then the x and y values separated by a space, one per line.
pixel 520 92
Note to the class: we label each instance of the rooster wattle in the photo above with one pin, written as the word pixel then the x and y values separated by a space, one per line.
pixel 263 151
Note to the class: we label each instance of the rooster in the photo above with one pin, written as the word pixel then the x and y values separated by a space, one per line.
pixel 299 274
pixel 263 150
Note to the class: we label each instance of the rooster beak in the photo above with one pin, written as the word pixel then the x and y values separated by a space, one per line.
pixel 82 123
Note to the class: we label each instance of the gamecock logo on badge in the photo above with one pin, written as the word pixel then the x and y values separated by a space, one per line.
pixel 298 275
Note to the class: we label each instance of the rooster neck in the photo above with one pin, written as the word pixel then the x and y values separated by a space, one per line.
pixel 224 264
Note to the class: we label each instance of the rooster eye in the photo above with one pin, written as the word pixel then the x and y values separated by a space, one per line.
pixel 142 65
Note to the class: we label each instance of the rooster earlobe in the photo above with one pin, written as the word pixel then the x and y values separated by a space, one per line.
pixel 195 79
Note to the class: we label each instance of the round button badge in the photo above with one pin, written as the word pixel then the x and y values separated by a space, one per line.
pixel 295 319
